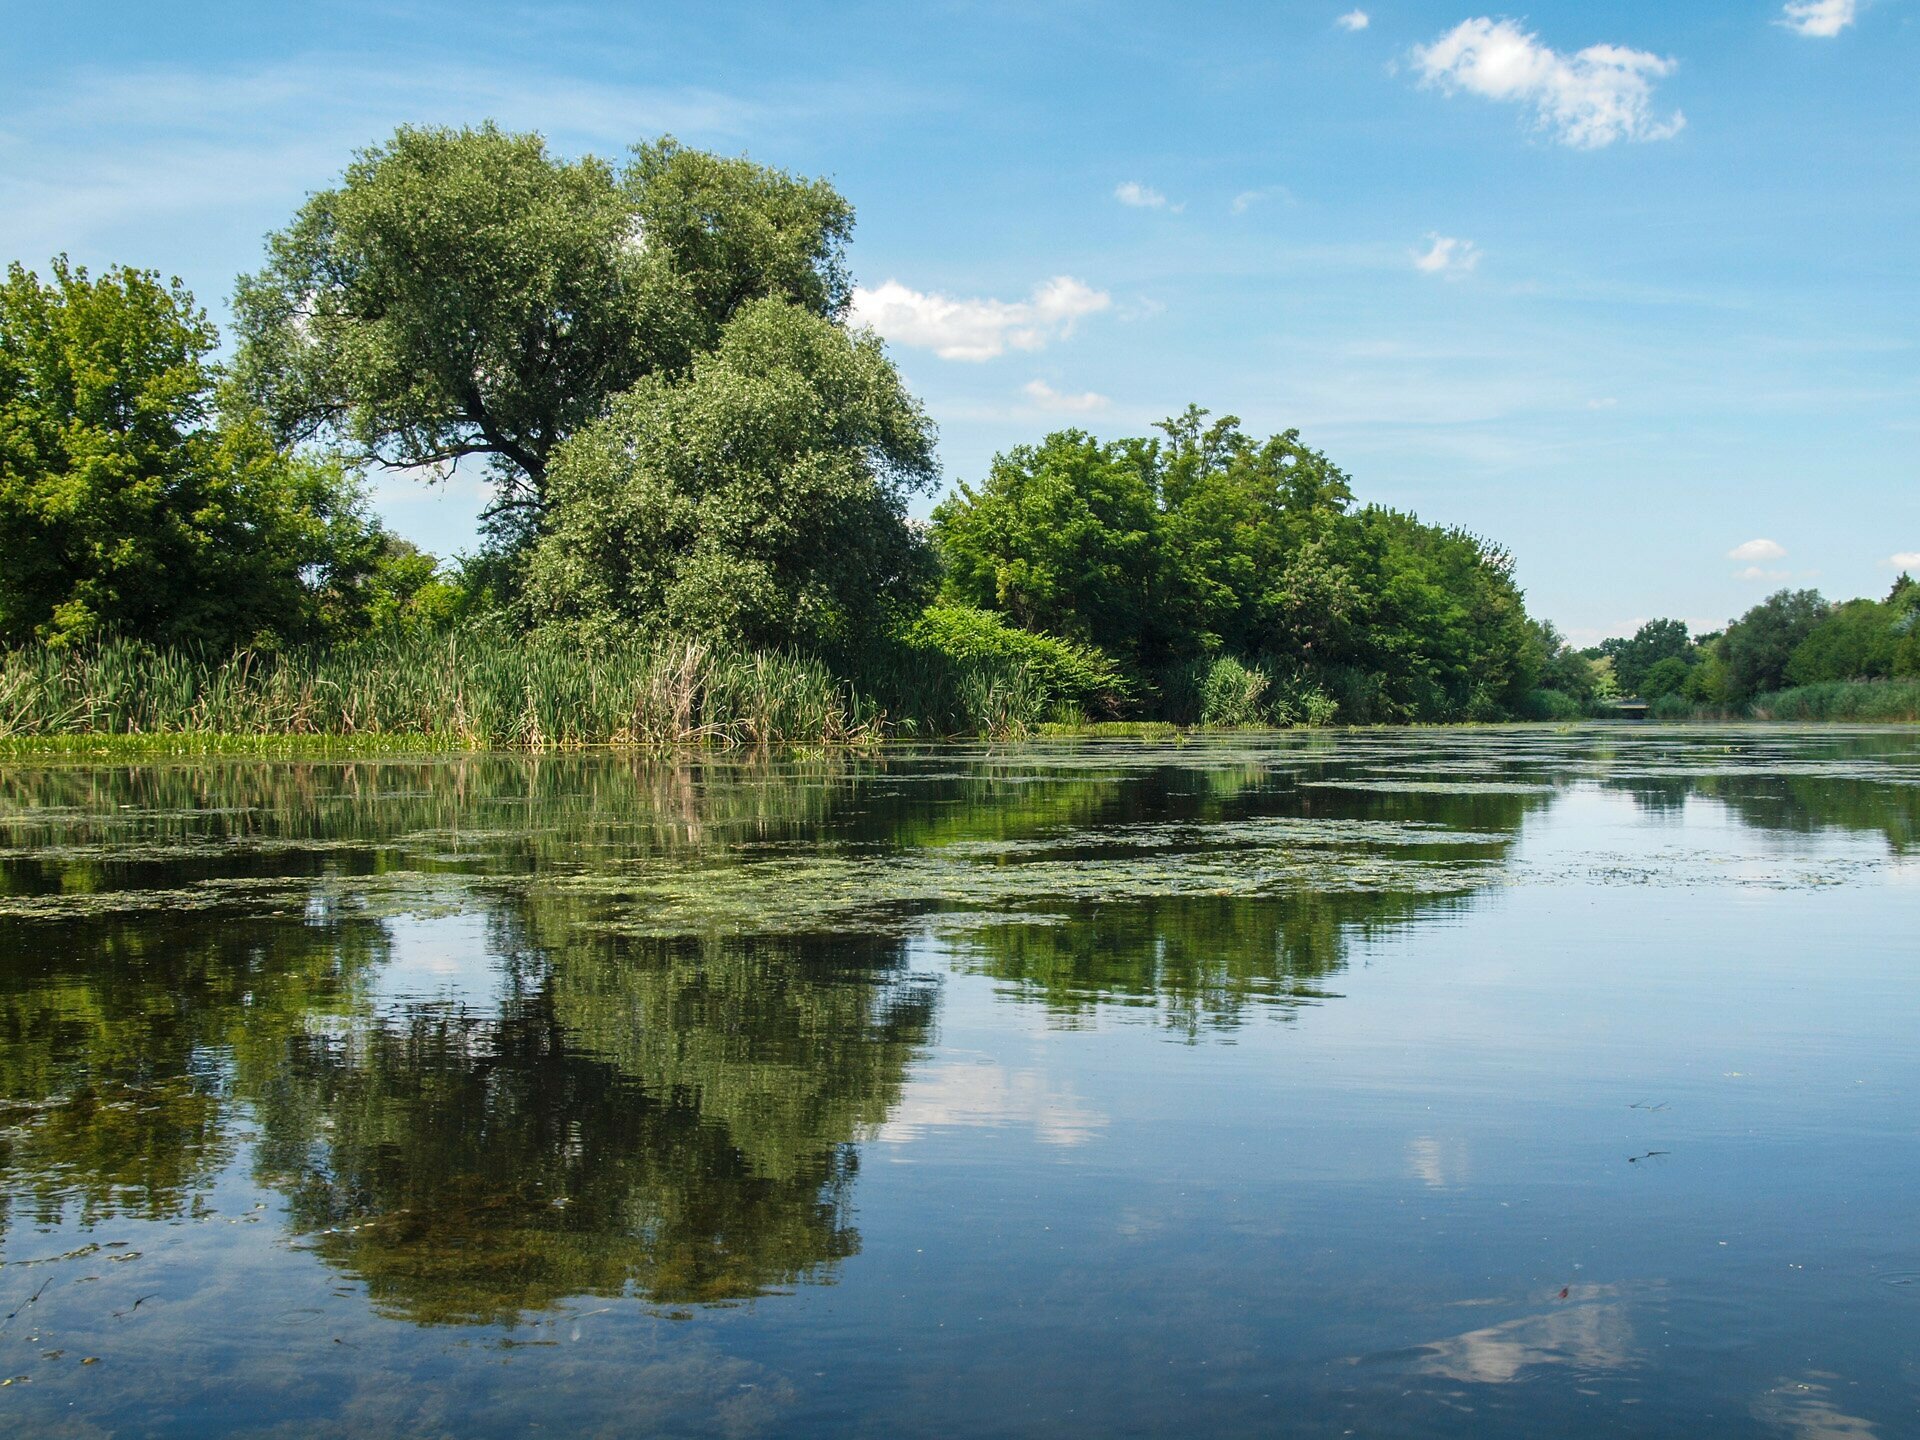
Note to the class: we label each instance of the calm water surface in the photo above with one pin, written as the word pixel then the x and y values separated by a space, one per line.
pixel 1498 1083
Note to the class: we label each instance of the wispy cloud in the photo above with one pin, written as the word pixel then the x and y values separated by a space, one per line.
pixel 1587 99
pixel 977 329
pixel 1143 197
pixel 1753 550
pixel 1047 398
pixel 1247 199
pixel 1905 560
pixel 1354 20
pixel 1820 19
pixel 1447 255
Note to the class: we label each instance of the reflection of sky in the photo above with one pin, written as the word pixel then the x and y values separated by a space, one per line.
pixel 439 959
pixel 1588 1330
pixel 996 1071
pixel 1804 1409
pixel 972 1090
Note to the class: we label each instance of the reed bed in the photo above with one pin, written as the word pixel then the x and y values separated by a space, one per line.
pixel 482 688
pixel 1843 700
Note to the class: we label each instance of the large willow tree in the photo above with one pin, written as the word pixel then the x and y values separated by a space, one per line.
pixel 467 293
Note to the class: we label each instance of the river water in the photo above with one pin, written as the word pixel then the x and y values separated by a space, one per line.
pixel 1430 1083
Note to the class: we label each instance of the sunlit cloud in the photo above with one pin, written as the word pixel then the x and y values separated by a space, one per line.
pixel 1587 99
pixel 1354 20
pixel 1820 19
pixel 977 329
pixel 1447 255
pixel 1047 398
pixel 1755 550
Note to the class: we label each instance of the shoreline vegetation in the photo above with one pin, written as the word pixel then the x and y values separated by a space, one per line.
pixel 701 464
pixel 473 689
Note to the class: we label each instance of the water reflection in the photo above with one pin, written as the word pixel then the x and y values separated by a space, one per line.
pixel 506 1041
pixel 1585 1328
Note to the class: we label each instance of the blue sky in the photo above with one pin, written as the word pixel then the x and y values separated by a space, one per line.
pixel 1629 287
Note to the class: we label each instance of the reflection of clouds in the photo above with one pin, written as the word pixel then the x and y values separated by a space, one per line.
pixel 1438 1163
pixel 979 1093
pixel 1588 1330
pixel 1803 1409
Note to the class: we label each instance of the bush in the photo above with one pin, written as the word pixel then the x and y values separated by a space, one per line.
pixel 1552 705
pixel 1230 694
pixel 1066 674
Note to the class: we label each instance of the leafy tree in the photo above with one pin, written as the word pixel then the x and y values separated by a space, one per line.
pixel 465 293
pixel 1667 677
pixel 1759 645
pixel 761 499
pixel 1855 641
pixel 1063 537
pixel 1181 553
pixel 1564 669
pixel 1653 642
pixel 1251 539
pixel 129 500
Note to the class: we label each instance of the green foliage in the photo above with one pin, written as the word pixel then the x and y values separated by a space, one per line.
pixel 1843 700
pixel 1861 640
pixel 1654 642
pixel 1665 677
pixel 1758 646
pixel 1231 692
pixel 129 502
pixel 761 500
pixel 464 292
pixel 1070 674
pixel 1063 538
pixel 1172 553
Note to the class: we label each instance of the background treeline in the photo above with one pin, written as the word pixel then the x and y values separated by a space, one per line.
pixel 700 483
pixel 1794 656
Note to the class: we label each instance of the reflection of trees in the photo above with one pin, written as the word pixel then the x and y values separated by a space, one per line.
pixel 113 1096
pixel 675 1120
pixel 1798 804
pixel 1200 963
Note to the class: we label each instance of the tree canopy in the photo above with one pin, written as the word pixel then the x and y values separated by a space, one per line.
pixel 1205 543
pixel 466 293
pixel 760 499
pixel 131 500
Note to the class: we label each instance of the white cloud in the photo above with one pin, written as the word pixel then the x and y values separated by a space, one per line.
pixel 1760 572
pixel 1048 398
pixel 1604 402
pixel 959 329
pixel 1754 550
pixel 1821 19
pixel 1447 255
pixel 1143 197
pixel 1354 20
pixel 1588 99
pixel 1905 560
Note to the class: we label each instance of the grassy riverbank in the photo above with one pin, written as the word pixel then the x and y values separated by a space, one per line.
pixel 1859 701
pixel 481 689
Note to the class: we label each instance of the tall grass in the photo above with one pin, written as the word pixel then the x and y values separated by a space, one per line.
pixel 473 687
pixel 1843 700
